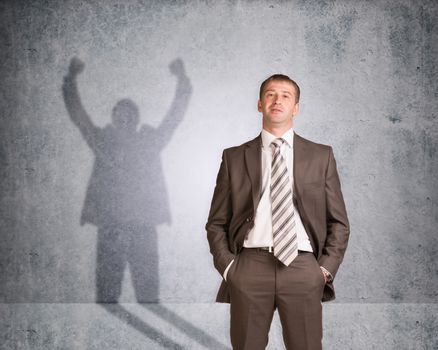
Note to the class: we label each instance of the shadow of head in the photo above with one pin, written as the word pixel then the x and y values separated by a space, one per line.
pixel 125 115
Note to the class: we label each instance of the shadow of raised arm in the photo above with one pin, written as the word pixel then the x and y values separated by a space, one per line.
pixel 74 105
pixel 179 105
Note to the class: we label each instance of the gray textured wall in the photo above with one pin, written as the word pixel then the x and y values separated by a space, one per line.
pixel 368 73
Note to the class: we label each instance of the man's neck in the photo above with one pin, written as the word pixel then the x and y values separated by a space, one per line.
pixel 277 132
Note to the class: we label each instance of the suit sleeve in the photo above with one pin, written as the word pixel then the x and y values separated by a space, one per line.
pixel 219 219
pixel 338 228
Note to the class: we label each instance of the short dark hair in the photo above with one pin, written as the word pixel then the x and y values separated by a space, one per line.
pixel 281 77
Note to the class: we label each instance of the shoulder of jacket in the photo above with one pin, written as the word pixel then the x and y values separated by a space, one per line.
pixel 242 147
pixel 314 145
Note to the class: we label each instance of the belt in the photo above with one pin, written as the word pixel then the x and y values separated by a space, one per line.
pixel 271 250
pixel 265 249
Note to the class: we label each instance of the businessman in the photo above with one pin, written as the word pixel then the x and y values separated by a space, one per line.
pixel 277 227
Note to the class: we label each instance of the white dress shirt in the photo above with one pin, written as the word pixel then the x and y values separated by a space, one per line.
pixel 261 234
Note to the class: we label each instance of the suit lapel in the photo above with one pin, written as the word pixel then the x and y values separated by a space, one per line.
pixel 253 160
pixel 299 168
pixel 299 160
pixel 253 154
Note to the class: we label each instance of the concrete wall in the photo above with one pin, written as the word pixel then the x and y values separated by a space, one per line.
pixel 81 201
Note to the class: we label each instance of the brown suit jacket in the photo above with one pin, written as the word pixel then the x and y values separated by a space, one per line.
pixel 319 201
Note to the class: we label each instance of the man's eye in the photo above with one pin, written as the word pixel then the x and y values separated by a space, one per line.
pixel 286 96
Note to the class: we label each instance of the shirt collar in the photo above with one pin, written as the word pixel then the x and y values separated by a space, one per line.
pixel 267 138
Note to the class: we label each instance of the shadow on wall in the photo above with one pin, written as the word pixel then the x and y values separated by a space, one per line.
pixel 126 197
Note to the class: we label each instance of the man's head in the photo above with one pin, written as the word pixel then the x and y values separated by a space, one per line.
pixel 278 102
pixel 281 77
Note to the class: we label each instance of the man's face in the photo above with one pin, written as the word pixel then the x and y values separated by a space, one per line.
pixel 278 104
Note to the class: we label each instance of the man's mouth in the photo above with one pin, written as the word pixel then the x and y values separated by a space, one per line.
pixel 276 109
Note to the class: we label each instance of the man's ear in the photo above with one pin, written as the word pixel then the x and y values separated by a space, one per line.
pixel 296 109
pixel 259 106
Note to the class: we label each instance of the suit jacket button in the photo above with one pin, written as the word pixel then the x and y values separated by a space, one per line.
pixel 248 219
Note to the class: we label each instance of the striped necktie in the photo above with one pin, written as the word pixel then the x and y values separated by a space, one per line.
pixel 283 220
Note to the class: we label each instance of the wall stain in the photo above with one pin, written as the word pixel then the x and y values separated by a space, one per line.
pixel 329 40
pixel 394 119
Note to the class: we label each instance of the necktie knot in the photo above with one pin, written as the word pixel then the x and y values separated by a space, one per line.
pixel 277 143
